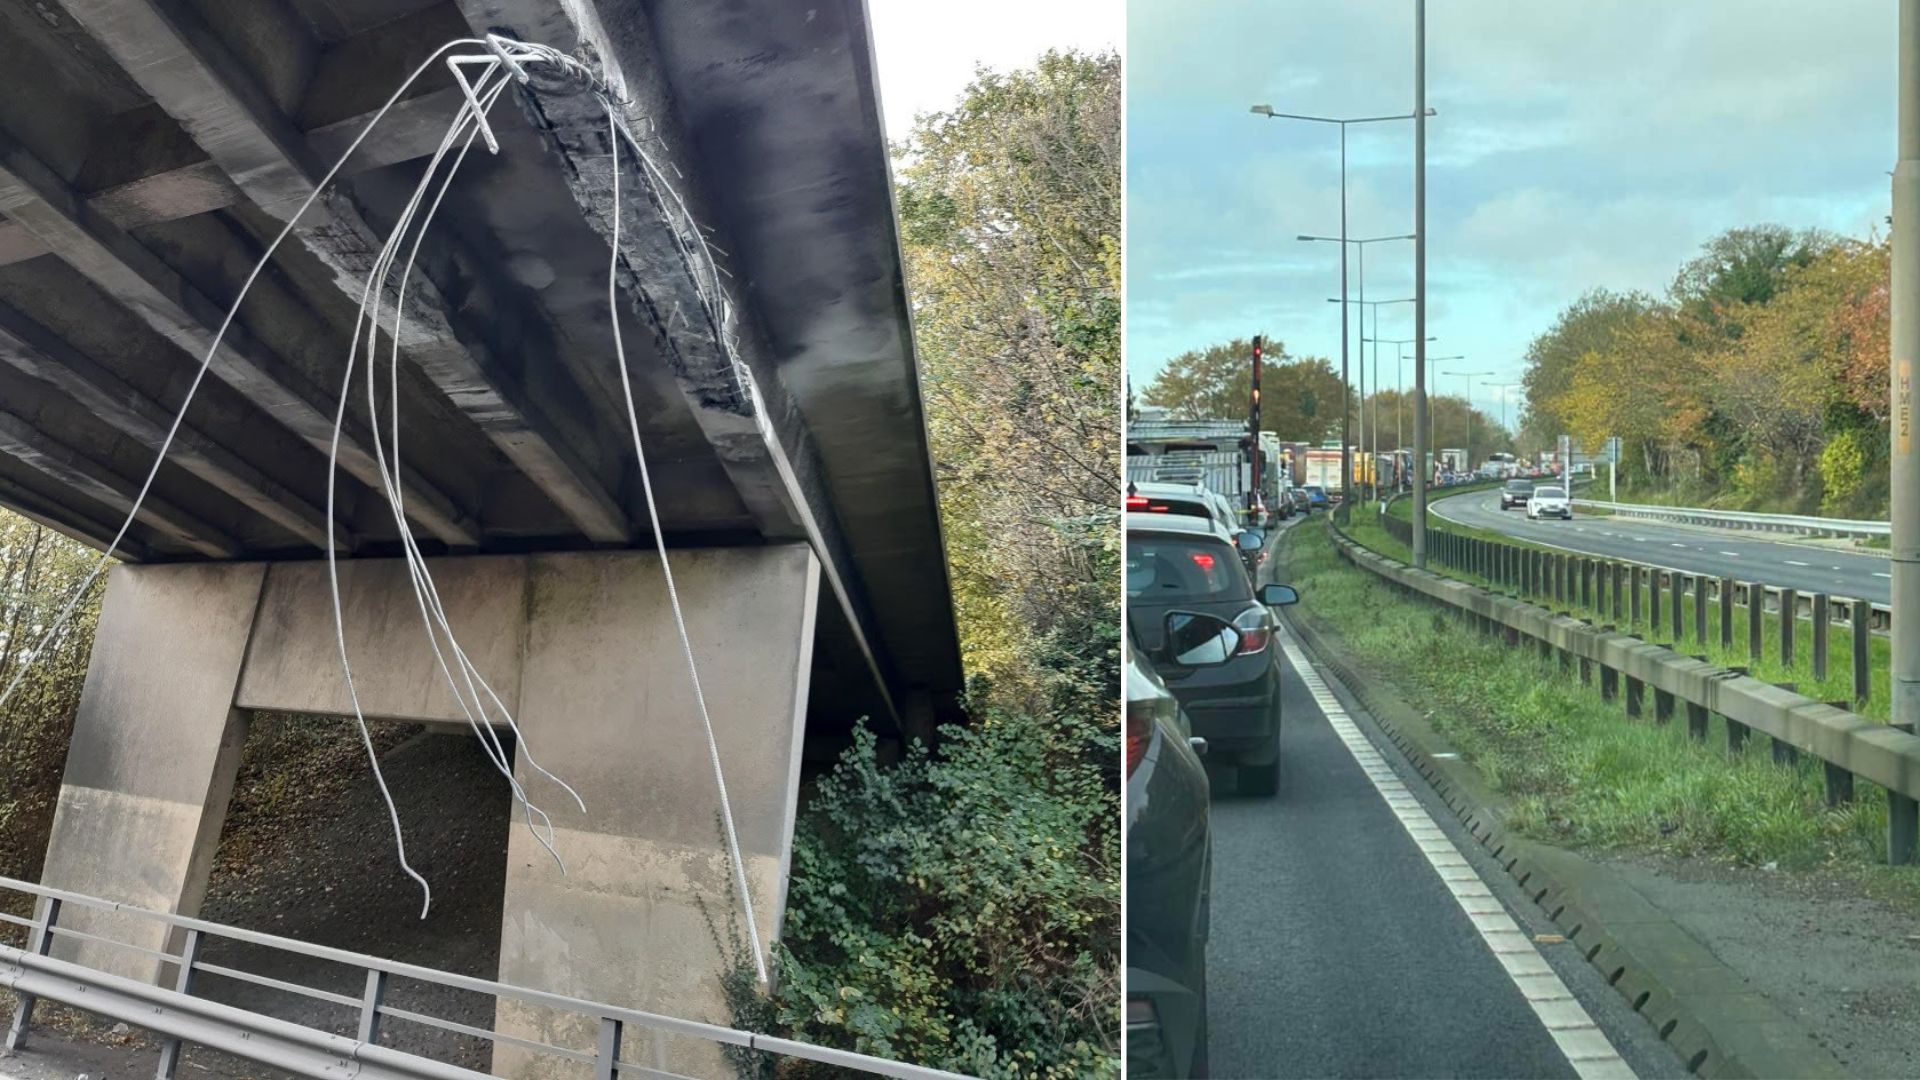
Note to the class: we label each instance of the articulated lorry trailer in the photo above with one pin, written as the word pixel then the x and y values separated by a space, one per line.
pixel 1217 454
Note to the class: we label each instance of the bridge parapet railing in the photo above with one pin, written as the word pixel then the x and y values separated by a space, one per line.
pixel 171 1010
pixel 1568 605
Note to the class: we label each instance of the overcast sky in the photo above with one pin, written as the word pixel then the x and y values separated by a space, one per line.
pixel 927 51
pixel 1576 145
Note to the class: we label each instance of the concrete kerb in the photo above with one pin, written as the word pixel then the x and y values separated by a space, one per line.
pixel 1705 1011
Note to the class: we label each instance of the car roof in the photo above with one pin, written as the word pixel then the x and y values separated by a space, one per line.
pixel 1167 487
pixel 1177 523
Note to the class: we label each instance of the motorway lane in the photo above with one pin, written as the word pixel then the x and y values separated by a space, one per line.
pixel 1337 949
pixel 1804 567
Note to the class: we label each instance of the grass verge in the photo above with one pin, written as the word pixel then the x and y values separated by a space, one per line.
pixel 1766 662
pixel 1575 769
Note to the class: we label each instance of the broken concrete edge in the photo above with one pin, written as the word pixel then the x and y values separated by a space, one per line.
pixel 1706 1012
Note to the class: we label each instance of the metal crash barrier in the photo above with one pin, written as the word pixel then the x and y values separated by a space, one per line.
pixel 1848 744
pixel 171 1011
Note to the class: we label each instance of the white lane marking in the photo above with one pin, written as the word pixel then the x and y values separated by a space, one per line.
pixel 1731 554
pixel 1877 573
pixel 1794 562
pixel 1585 1046
pixel 1638 539
pixel 1676 545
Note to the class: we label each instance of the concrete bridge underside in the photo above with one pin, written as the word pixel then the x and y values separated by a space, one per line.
pixel 151 149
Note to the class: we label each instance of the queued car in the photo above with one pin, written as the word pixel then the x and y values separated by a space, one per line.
pixel 1550 501
pixel 1191 500
pixel 1181 566
pixel 1169 839
pixel 1515 492
pixel 1302 502
pixel 1317 497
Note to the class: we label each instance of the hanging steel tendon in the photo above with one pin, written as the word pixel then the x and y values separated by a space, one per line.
pixel 484 70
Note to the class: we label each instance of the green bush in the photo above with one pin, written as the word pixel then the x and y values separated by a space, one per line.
pixel 1843 463
pixel 961 908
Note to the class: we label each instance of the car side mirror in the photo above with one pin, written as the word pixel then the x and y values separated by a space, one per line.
pixel 1250 540
pixel 1195 639
pixel 1279 595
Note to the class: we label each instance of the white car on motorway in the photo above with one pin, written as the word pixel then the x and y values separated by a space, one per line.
pixel 1548 501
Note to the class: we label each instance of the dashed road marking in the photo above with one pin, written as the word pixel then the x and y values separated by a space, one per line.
pixel 1794 562
pixel 1877 573
pixel 1731 554
pixel 1585 1046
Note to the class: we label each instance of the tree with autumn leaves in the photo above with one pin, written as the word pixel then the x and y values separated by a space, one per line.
pixel 1300 399
pixel 1758 381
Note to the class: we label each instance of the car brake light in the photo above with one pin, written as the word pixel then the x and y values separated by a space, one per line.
pixel 1203 560
pixel 1139 732
pixel 1256 629
pixel 1136 502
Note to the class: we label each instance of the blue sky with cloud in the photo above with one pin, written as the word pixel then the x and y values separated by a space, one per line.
pixel 1576 145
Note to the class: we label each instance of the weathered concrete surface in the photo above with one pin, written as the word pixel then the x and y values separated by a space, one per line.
pixel 582 646
pixel 607 704
pixel 155 747
pixel 293 664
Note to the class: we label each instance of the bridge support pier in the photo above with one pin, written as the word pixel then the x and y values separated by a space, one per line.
pixel 582 646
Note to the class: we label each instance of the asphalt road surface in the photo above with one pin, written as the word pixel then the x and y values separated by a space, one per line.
pixel 1339 949
pixel 1805 567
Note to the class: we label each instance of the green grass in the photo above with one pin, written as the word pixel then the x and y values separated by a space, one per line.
pixel 1836 686
pixel 1576 769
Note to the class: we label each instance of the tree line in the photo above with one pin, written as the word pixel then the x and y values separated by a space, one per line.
pixel 1300 398
pixel 1758 380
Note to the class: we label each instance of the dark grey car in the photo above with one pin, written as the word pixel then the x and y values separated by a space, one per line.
pixel 1179 565
pixel 1515 493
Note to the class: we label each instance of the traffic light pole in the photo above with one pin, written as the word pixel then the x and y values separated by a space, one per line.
pixel 1253 427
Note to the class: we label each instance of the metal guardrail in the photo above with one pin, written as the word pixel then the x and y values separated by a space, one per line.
pixel 1849 745
pixel 1742 519
pixel 172 1011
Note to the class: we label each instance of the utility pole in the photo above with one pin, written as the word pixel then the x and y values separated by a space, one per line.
pixel 1420 277
pixel 1903 814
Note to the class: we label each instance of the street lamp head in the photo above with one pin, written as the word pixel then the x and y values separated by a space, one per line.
pixel 1261 110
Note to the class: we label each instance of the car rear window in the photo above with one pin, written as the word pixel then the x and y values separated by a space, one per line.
pixel 1178 568
pixel 1182 507
pixel 1549 492
pixel 1519 485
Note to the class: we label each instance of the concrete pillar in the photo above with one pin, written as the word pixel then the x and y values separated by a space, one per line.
pixel 606 703
pixel 582 646
pixel 156 745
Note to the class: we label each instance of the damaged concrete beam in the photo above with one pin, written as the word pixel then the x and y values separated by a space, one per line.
pixel 35 198
pixel 177 59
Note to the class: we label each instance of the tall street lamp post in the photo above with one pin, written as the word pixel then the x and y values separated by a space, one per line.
pixel 1346 457
pixel 1421 413
pixel 1370 426
pixel 1419 531
pixel 1903 813
pixel 1470 376
pixel 1399 387
pixel 1361 246
pixel 1503 387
